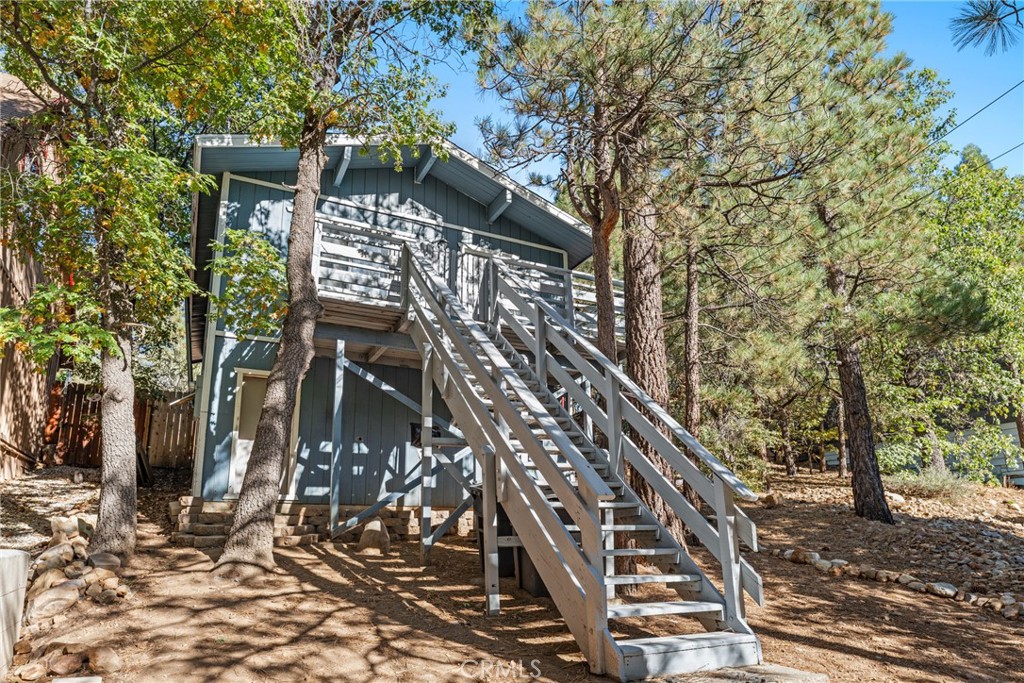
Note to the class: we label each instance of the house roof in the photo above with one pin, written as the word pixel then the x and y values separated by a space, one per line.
pixel 16 101
pixel 461 170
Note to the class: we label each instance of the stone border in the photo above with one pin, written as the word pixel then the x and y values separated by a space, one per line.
pixel 1008 605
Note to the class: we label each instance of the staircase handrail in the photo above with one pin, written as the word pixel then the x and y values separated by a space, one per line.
pixel 643 398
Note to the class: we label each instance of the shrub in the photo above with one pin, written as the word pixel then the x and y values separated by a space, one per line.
pixel 930 482
pixel 971 457
pixel 898 457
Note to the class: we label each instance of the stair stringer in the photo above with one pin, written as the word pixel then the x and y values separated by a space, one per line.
pixel 567 594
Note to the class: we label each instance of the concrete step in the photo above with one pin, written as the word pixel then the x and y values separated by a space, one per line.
pixel 649 657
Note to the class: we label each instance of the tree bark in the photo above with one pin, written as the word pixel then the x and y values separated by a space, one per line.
pixel 844 452
pixel 868 492
pixel 115 524
pixel 935 459
pixel 787 448
pixel 646 352
pixel 250 543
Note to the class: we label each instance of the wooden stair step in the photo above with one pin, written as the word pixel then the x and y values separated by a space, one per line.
pixel 604 505
pixel 639 552
pixel 634 579
pixel 652 609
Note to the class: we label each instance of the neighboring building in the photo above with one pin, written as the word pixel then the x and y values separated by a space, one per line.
pixel 24 389
pixel 449 301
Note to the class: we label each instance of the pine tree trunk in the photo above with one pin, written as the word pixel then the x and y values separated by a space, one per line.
pixel 691 418
pixel 646 352
pixel 844 452
pixel 868 493
pixel 787 449
pixel 115 524
pixel 250 543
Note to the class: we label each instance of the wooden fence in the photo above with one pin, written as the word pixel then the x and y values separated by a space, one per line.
pixel 164 429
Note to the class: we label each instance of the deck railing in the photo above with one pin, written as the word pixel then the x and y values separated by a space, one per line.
pixel 362 264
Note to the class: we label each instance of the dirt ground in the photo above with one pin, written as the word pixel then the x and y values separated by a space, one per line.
pixel 332 615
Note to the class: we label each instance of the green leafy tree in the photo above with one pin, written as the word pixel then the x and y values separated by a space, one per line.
pixel 360 68
pixel 113 254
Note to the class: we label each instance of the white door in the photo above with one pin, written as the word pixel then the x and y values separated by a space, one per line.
pixel 252 390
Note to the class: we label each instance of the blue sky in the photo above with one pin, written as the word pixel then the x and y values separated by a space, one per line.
pixel 920 29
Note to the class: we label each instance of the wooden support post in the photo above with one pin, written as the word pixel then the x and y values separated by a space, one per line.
pixel 592 539
pixel 335 473
pixel 495 295
pixel 490 532
pixel 426 452
pixel 588 420
pixel 732 587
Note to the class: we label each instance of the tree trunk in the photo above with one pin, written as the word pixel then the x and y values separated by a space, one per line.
pixel 822 466
pixel 115 525
pixel 646 352
pixel 250 543
pixel 691 417
pixel 787 449
pixel 1018 413
pixel 935 459
pixel 868 493
pixel 844 453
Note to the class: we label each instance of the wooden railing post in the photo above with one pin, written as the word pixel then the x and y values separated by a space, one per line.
pixel 426 452
pixel 492 284
pixel 614 412
pixel 490 532
pixel 732 587
pixel 540 346
pixel 570 299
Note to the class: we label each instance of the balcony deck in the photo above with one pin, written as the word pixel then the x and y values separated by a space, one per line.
pixel 359 276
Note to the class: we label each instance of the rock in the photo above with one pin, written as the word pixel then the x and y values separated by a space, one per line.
pixel 868 573
pixel 46 581
pixel 52 602
pixel 68 526
pixel 943 590
pixel 839 563
pixel 94 590
pixel 801 556
pixel 788 554
pixel 105 561
pixel 75 570
pixel 32 671
pixel 103 660
pixel 55 557
pixel 771 500
pixel 886 576
pixel 907 579
pixel 81 547
pixel 98 575
pixel 122 591
pixel 57 539
pixel 1008 598
pixel 823 565
pixel 107 597
pixel 374 540
pixel 23 646
pixel 1012 611
pixel 66 664
pixel 895 498
pixel 110 583
pixel 917 586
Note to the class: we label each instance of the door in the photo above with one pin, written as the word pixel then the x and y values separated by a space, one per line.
pixel 252 390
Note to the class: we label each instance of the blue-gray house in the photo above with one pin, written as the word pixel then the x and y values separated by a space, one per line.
pixel 455 354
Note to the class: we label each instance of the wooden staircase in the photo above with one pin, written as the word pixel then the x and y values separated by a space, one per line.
pixel 566 497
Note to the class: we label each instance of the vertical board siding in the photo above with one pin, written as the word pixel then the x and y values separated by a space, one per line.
pixel 376 455
pixel 171 435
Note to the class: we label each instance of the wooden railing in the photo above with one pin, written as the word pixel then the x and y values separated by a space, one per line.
pixel 620 409
pixel 359 263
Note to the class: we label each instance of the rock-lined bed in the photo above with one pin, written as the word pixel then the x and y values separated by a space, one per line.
pixel 1009 605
